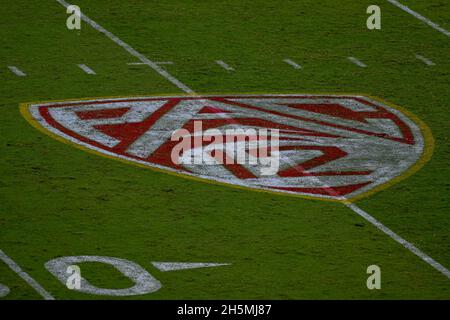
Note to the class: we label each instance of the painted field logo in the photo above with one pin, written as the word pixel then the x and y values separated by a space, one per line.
pixel 330 146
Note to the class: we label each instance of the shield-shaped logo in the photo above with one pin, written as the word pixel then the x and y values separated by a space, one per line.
pixel 330 146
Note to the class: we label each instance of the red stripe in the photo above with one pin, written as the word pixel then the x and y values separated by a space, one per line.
pixel 406 140
pixel 102 114
pixel 130 132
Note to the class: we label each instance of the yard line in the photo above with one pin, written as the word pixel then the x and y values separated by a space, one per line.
pixel 384 229
pixel 399 239
pixel 17 71
pixel 25 276
pixel 132 51
pixel 86 69
pixel 420 17
pixel 186 89
pixel 224 65
pixel 357 62
pixel 427 61
pixel 292 63
pixel 157 62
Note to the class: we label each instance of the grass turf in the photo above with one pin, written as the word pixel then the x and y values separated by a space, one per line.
pixel 58 201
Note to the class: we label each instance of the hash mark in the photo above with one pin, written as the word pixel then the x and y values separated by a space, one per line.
pixel 292 63
pixel 427 61
pixel 357 62
pixel 86 69
pixel 224 65
pixel 17 71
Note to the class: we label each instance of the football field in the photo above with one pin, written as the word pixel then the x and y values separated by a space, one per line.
pixel 64 195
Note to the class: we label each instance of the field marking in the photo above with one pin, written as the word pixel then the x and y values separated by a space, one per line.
pixel 357 62
pixel 420 17
pixel 25 276
pixel 174 266
pixel 86 69
pixel 400 240
pixel 408 245
pixel 224 65
pixel 186 89
pixel 292 63
pixel 132 51
pixel 157 62
pixel 17 71
pixel 4 290
pixel 427 61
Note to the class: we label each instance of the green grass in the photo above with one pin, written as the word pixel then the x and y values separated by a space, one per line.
pixel 56 200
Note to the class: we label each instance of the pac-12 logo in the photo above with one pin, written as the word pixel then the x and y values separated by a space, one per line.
pixel 328 146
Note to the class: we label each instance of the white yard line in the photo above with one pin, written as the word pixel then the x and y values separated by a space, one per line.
pixel 157 62
pixel 427 61
pixel 420 17
pixel 400 240
pixel 224 65
pixel 292 63
pixel 86 69
pixel 186 89
pixel 17 71
pixel 357 62
pixel 132 51
pixel 386 230
pixel 25 276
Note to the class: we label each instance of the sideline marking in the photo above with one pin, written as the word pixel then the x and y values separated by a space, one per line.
pixel 292 63
pixel 188 90
pixel 17 71
pixel 86 69
pixel 420 17
pixel 427 61
pixel 224 65
pixel 357 62
pixel 25 276
pixel 174 266
pixel 132 51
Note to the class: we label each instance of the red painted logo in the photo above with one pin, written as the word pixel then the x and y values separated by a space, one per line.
pixel 330 146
